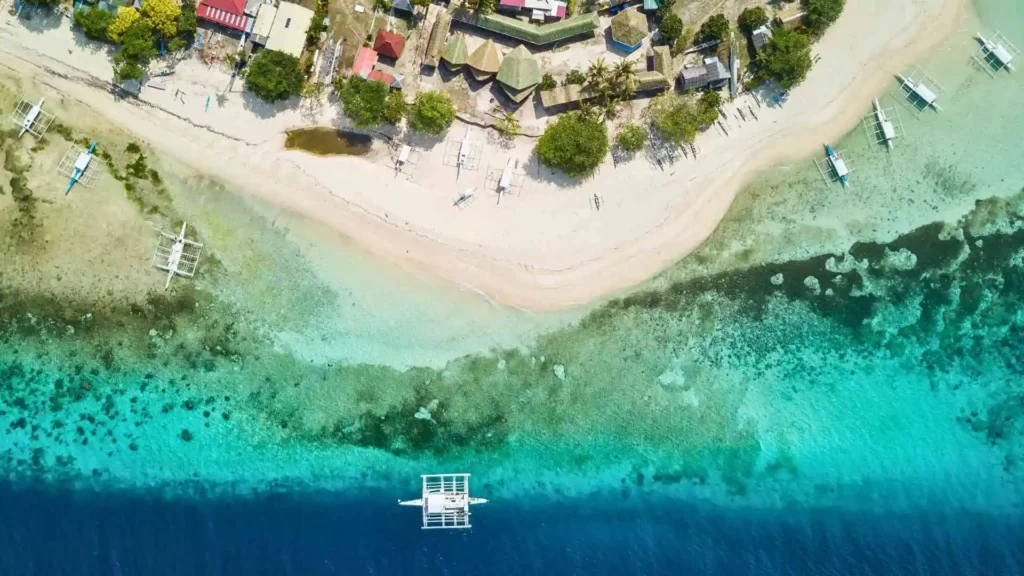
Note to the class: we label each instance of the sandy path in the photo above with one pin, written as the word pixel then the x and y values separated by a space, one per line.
pixel 543 249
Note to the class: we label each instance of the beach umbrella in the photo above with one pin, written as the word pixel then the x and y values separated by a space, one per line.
pixel 485 60
pixel 519 73
pixel 455 53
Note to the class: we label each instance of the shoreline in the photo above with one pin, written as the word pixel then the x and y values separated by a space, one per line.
pixel 547 249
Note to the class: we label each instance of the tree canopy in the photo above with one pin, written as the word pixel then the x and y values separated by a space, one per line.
pixel 752 18
pixel 94 23
pixel 187 19
pixel 632 138
pixel 714 28
pixel 274 76
pixel 136 52
pixel 671 28
pixel 433 113
pixel 786 59
pixel 126 16
pixel 677 118
pixel 822 13
pixel 547 82
pixel 576 144
pixel 162 15
pixel 363 101
pixel 395 108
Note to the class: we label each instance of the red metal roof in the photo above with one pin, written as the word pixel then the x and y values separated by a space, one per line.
pixel 381 76
pixel 560 12
pixel 513 3
pixel 230 13
pixel 365 59
pixel 389 43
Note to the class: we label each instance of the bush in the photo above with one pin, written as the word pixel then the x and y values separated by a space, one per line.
pixel 274 76
pixel 822 13
pixel 136 52
pixel 94 23
pixel 710 99
pixel 678 119
pixel 126 16
pixel 162 16
pixel 364 102
pixel 671 28
pixel 786 59
pixel 547 82
pixel 575 77
pixel 631 138
pixel 752 18
pixel 187 20
pixel 714 28
pixel 395 108
pixel 433 113
pixel 576 144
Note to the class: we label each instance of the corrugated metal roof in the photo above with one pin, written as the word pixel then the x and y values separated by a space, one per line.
pixel 365 59
pixel 224 12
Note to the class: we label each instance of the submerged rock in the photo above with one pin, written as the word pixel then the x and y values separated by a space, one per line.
pixel 559 372
pixel 901 259
pixel 777 279
pixel 813 285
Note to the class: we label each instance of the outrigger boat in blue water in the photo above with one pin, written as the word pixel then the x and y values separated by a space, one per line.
pixel 838 165
pixel 81 165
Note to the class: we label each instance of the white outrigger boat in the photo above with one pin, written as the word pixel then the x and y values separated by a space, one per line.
pixel 885 125
pixel 31 118
pixel 997 51
pixel 834 167
pixel 177 255
pixel 81 165
pixel 445 501
pixel 505 183
pixel 921 89
pixel 465 152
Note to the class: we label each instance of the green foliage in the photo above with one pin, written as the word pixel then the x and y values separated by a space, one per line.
pixel 752 18
pixel 575 77
pixel 187 20
pixel 433 113
pixel 714 28
pixel 395 107
pixel 383 5
pixel 162 16
pixel 316 25
pixel 126 16
pixel 547 82
pixel 94 23
pixel 176 44
pixel 484 6
pixel 683 42
pixel 786 59
pixel 671 28
pixel 678 119
pixel 632 138
pixel 664 9
pixel 509 126
pixel 822 13
pixel 274 76
pixel 136 52
pixel 576 144
pixel 421 3
pixel 710 99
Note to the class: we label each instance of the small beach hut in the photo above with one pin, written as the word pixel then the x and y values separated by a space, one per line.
pixel 629 28
pixel 456 53
pixel 519 73
pixel 485 61
pixel 389 44
pixel 365 59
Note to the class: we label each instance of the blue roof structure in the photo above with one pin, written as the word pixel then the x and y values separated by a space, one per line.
pixel 650 5
pixel 625 47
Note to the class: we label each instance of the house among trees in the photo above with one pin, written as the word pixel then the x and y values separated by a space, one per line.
pixel 629 28
pixel 365 60
pixel 711 75
pixel 227 13
pixel 540 10
pixel 389 44
pixel 760 37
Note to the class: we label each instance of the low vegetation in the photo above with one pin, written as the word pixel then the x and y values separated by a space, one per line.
pixel 432 113
pixel 363 102
pixel 395 108
pixel 822 13
pixel 786 59
pixel 714 28
pixel 752 18
pixel 274 76
pixel 678 119
pixel 576 144
pixel 631 139
pixel 547 82
pixel 94 23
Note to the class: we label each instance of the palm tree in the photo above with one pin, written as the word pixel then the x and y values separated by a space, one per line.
pixel 597 76
pixel 622 79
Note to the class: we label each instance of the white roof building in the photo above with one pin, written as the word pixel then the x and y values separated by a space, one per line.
pixel 288 33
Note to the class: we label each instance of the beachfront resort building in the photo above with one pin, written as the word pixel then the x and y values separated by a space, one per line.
pixel 519 73
pixel 389 44
pixel 456 52
pixel 536 10
pixel 485 61
pixel 629 28
pixel 711 75
pixel 287 32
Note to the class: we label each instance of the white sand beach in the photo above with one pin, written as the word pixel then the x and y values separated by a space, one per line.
pixel 545 248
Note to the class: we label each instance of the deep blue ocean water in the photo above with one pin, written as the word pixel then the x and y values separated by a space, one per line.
pixel 83 533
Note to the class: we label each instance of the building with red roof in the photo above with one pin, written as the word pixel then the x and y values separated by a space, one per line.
pixel 539 10
pixel 228 13
pixel 365 59
pixel 389 44
pixel 381 76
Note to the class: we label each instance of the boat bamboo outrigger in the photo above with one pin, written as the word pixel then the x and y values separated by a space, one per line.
pixel 883 124
pixel 463 154
pixel 465 150
pixel 920 89
pixel 996 52
pixel 445 501
pixel 31 118
pixel 79 166
pixel 834 167
pixel 177 255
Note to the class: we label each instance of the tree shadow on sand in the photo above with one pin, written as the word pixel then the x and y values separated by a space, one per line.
pixel 262 109
pixel 40 18
pixel 536 170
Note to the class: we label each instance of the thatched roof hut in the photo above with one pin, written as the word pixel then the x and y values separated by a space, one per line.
pixel 485 60
pixel 519 73
pixel 432 54
pixel 455 53
pixel 629 28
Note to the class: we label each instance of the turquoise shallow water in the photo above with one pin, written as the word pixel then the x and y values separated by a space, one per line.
pixel 856 350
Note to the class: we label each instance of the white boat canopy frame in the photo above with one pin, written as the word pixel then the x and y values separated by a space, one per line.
pixel 507 180
pixel 883 125
pixel 996 53
pixel 463 154
pixel 29 117
pixel 920 90
pixel 92 170
pixel 445 501
pixel 833 173
pixel 177 255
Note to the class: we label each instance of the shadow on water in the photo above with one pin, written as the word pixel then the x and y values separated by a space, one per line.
pixel 328 142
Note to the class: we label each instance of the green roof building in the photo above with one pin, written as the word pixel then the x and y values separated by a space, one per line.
pixel 456 54
pixel 519 73
pixel 485 60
